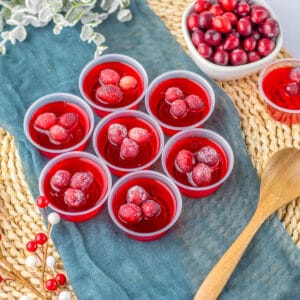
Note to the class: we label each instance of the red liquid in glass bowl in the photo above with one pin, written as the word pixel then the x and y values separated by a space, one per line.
pixel 124 66
pixel 160 189
pixel 95 194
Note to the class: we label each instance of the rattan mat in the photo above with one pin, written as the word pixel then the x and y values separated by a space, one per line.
pixel 263 136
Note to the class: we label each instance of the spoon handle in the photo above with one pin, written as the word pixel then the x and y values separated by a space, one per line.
pixel 216 280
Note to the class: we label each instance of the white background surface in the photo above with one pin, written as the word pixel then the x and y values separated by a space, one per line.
pixel 288 13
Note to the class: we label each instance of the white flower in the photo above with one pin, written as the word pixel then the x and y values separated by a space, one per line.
pixel 124 15
pixel 86 32
pixel 57 29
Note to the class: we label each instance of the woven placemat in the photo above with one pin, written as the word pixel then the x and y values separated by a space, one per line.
pixel 263 136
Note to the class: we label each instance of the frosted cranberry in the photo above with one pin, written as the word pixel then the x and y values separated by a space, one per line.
pixel 205 50
pixel 150 209
pixel 109 76
pixel 192 21
pixel 238 57
pixel 128 83
pixel 256 34
pixel 221 24
pixel 231 17
pixel 216 9
pixel 228 5
pixel 129 149
pixel 130 213
pixel 270 28
pixel 249 43
pixel 259 14
pixel 197 37
pixel 74 198
pixel 137 194
pixel 60 179
pixel 109 94
pixel 116 133
pixel 205 19
pixel 194 102
pixel 213 37
pixel 292 89
pixel 265 46
pixel 59 135
pixel 45 121
pixel 221 57
pixel 243 9
pixel 184 161
pixel 138 134
pixel 68 120
pixel 178 108
pixel 244 27
pixel 201 5
pixel 295 74
pixel 173 93
pixel 202 175
pixel 231 42
pixel 81 180
pixel 253 56
pixel 209 156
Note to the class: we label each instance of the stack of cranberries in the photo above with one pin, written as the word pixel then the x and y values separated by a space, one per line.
pixel 232 32
pixel 139 206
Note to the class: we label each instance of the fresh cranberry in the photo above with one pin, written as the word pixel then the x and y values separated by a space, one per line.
pixel 259 14
pixel 45 121
pixel 244 27
pixel 231 42
pixel 265 46
pixel 221 24
pixel 81 180
pixel 60 179
pixel 235 33
pixel 292 89
pixel 42 201
pixel 51 285
pixel 243 9
pixel 150 209
pixel 138 134
pixel 219 47
pixel 130 213
pixel 41 238
pixel 253 56
pixel 295 74
pixel 197 37
pixel 216 9
pixel 128 83
pixel 231 17
pixel 74 197
pixel 213 37
pixel 205 19
pixel 238 57
pixel 129 149
pixel 61 279
pixel 31 246
pixel 270 28
pixel 109 94
pixel 109 76
pixel 256 34
pixel 184 161
pixel 201 5
pixel 192 21
pixel 228 5
pixel 178 108
pixel 137 194
pixel 59 134
pixel 173 93
pixel 68 120
pixel 116 133
pixel 194 102
pixel 202 174
pixel 221 57
pixel 249 43
pixel 209 156
pixel 205 50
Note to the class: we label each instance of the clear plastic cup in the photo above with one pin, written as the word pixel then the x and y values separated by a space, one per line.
pixel 156 141
pixel 282 113
pixel 155 180
pixel 93 165
pixel 151 103
pixel 62 98
pixel 178 141
pixel 101 110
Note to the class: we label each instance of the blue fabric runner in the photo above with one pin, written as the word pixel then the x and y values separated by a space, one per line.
pixel 101 262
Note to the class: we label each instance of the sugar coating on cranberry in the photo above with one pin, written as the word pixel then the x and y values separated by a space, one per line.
pixel 201 175
pixel 184 161
pixel 209 156
pixel 60 179
pixel 194 102
pixel 292 89
pixel 128 83
pixel 109 76
pixel 178 108
pixel 295 74
pixel 173 93
pixel 59 134
pixel 116 133
pixel 130 213
pixel 68 120
pixel 129 149
pixel 137 194
pixel 150 209
pixel 138 134
pixel 81 180
pixel 109 94
pixel 74 198
pixel 45 121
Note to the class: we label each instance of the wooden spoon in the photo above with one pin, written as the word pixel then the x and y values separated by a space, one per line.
pixel 280 184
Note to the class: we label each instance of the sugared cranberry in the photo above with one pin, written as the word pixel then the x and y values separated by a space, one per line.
pixel 59 134
pixel 295 74
pixel 292 89
pixel 60 179
pixel 42 201
pixel 221 24
pixel 270 28
pixel 184 161
pixel 74 198
pixel 213 37
pixel 265 46
pixel 138 134
pixel 244 27
pixel 109 76
pixel 41 238
pixel 150 209
pixel 116 133
pixel 205 50
pixel 201 5
pixel 61 279
pixel 249 43
pixel 253 56
pixel 68 120
pixel 202 174
pixel 197 37
pixel 259 14
pixel 209 156
pixel 216 9
pixel 178 108
pixel 221 57
pixel 192 21
pixel 194 102
pixel 231 17
pixel 205 19
pixel 137 194
pixel 228 5
pixel 51 285
pixel 243 8
pixel 231 42
pixel 45 121
pixel 130 213
pixel 173 93
pixel 238 57
pixel 81 180
pixel 31 246
pixel 129 149
pixel 109 94
pixel 128 83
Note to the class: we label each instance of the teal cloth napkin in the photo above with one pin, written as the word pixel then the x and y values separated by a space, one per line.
pixel 101 262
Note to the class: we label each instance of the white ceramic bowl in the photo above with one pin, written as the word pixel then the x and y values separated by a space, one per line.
pixel 229 72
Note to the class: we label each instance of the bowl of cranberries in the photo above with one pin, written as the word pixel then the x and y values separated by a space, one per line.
pixel 231 39
pixel 145 205
pixel 113 82
pixel 279 84
pixel 198 161
pixel 57 123
pixel 76 185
